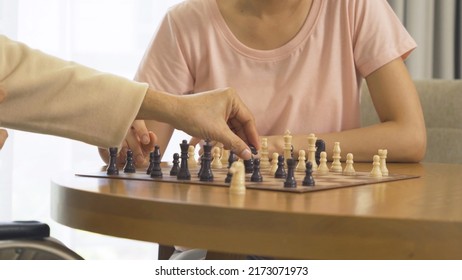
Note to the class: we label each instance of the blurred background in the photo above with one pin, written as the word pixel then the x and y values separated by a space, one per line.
pixel 111 36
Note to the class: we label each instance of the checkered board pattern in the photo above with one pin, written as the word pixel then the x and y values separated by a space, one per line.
pixel 322 182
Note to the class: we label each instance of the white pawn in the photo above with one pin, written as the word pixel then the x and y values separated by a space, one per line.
pixel 301 166
pixel 216 162
pixel 237 185
pixel 383 161
pixel 323 169
pixel 336 164
pixel 274 163
pixel 376 172
pixel 191 156
pixel 349 169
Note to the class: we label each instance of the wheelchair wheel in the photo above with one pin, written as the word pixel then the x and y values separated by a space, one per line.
pixel 43 249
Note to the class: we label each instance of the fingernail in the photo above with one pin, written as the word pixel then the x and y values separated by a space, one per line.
pixel 145 139
pixel 246 154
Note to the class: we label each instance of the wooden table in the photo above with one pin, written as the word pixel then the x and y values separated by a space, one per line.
pixel 410 219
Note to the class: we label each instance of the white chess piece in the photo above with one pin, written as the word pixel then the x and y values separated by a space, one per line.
pixel 312 150
pixel 216 162
pixel 237 185
pixel 224 157
pixel 301 166
pixel 323 168
pixel 287 145
pixel 383 161
pixel 191 156
pixel 264 159
pixel 376 172
pixel 274 163
pixel 349 169
pixel 336 164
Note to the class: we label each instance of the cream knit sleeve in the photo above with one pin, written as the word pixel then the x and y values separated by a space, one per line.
pixel 48 95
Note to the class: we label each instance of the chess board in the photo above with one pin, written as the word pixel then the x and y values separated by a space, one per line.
pixel 322 182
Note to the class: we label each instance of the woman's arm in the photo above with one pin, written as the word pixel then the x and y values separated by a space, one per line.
pixel 402 129
pixel 45 94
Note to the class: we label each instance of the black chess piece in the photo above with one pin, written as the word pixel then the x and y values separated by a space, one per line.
pixel 201 160
pixel 253 150
pixel 129 165
pixel 112 167
pixel 248 164
pixel 156 171
pixel 256 175
pixel 151 163
pixel 176 165
pixel 231 158
pixel 320 147
pixel 308 181
pixel 206 175
pixel 290 181
pixel 280 171
pixel 183 173
pixel 228 178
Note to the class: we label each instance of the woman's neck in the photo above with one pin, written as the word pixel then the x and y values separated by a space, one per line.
pixel 261 8
pixel 264 24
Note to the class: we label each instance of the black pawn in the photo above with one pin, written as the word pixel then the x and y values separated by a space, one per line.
pixel 256 175
pixel 248 164
pixel 183 173
pixel 231 159
pixel 129 165
pixel 176 165
pixel 290 181
pixel 206 174
pixel 112 167
pixel 320 147
pixel 280 172
pixel 151 163
pixel 308 181
pixel 156 171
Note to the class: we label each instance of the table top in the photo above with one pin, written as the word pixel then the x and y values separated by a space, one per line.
pixel 410 219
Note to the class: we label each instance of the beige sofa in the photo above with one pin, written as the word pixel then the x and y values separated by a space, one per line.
pixel 442 106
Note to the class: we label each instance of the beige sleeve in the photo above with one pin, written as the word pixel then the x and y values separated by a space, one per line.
pixel 48 95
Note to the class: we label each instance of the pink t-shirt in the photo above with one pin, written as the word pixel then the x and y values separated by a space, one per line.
pixel 309 85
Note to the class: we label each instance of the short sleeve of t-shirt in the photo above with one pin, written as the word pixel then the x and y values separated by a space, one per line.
pixel 163 65
pixel 379 36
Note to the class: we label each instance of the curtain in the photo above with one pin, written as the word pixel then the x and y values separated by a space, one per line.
pixel 437 28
